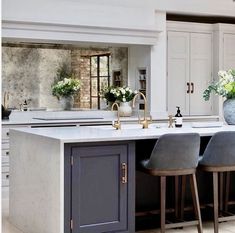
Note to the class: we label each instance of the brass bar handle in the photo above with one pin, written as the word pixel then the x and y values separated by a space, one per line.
pixel 188 85
pixel 192 91
pixel 124 173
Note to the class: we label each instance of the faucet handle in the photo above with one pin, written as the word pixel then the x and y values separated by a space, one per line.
pixel 116 124
pixel 150 119
pixel 170 121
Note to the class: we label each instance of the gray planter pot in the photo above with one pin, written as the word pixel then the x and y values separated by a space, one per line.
pixel 229 111
pixel 66 102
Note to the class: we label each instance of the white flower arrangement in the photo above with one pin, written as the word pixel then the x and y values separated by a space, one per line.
pixel 224 87
pixel 124 94
pixel 121 94
pixel 66 87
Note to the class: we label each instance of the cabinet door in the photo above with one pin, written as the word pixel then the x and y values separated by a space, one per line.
pixel 229 51
pixel 178 71
pixel 200 72
pixel 99 193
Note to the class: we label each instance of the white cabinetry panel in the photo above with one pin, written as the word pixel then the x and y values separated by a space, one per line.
pixel 178 71
pixel 229 51
pixel 200 72
pixel 189 72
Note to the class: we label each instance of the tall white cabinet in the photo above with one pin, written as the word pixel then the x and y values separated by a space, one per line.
pixel 189 71
pixel 229 50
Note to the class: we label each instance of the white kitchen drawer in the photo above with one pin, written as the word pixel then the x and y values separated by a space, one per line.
pixel 5 133
pixel 5 193
pixel 5 152
pixel 5 169
pixel 5 179
pixel 5 160
pixel 5 145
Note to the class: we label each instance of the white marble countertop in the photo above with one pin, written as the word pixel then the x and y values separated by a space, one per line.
pixel 81 117
pixel 108 133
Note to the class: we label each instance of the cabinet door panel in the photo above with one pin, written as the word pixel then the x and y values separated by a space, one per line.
pixel 178 72
pixel 99 198
pixel 200 72
pixel 229 51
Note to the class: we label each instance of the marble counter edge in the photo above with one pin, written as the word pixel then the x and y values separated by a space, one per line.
pixel 100 121
pixel 89 134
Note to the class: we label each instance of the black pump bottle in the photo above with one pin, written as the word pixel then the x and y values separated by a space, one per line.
pixel 178 118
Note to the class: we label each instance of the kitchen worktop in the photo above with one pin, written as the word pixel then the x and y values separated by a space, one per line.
pixel 128 132
pixel 81 117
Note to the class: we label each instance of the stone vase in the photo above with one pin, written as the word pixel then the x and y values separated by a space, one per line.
pixel 67 102
pixel 125 109
pixel 229 111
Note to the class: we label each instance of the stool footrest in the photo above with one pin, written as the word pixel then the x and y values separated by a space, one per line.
pixel 225 219
pixel 182 224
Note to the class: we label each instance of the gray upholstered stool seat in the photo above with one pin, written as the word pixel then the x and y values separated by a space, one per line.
pixel 219 157
pixel 175 155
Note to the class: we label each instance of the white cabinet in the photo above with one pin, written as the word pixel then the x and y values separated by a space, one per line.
pixel 189 71
pixel 229 50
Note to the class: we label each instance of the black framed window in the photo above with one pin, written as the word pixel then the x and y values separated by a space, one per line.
pixel 99 77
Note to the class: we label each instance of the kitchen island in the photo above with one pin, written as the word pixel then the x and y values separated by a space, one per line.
pixel 79 179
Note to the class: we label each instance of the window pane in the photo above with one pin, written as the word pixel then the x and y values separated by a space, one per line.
pixel 103 82
pixel 104 66
pixel 94 103
pixel 94 66
pixel 94 87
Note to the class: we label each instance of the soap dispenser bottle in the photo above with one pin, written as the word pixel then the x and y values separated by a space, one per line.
pixel 178 118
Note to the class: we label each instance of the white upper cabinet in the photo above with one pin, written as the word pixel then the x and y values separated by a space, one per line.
pixel 189 71
pixel 200 72
pixel 178 71
pixel 229 50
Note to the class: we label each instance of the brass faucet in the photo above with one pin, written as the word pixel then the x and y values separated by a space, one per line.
pixel 116 124
pixel 145 122
pixel 171 120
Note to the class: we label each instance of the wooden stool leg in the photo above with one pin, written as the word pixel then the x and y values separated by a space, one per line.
pixel 216 201
pixel 163 202
pixel 221 190
pixel 193 184
pixel 176 197
pixel 227 188
pixel 183 187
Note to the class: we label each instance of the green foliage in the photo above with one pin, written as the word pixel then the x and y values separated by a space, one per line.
pixel 65 83
pixel 224 87
pixel 107 93
pixel 121 94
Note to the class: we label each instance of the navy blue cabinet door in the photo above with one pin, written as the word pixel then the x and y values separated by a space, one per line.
pixel 100 200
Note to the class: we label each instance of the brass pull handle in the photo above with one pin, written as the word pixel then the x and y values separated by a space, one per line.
pixel 124 173
pixel 188 85
pixel 192 84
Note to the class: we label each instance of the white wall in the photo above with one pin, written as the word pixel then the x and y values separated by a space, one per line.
pixel 78 13
pixel 135 13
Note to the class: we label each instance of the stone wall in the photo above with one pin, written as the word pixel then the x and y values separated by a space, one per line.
pixel 28 72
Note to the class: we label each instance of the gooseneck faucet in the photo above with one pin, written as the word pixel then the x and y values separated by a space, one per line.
pixel 116 124
pixel 145 122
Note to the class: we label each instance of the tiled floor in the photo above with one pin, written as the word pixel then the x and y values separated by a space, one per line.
pixel 228 227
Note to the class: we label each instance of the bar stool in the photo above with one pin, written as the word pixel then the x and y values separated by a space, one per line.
pixel 175 155
pixel 219 157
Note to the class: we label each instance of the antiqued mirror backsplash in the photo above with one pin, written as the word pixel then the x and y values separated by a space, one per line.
pixel 29 71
